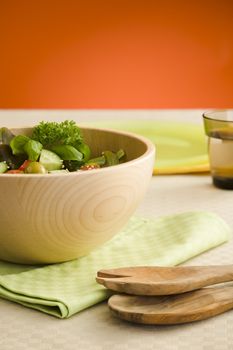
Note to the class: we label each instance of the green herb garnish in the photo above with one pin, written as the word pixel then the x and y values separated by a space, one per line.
pixel 51 134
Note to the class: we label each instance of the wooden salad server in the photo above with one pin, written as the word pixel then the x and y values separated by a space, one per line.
pixel 147 280
pixel 174 309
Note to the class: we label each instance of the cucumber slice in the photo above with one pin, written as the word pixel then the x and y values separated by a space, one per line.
pixel 3 167
pixel 50 160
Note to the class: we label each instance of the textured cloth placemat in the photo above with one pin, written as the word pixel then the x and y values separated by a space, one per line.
pixel 67 288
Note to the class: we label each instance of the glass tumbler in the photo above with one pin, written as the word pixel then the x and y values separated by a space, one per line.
pixel 219 129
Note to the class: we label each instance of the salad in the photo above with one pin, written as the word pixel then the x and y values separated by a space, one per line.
pixel 52 148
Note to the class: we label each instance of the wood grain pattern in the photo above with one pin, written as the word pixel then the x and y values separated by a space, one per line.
pixel 147 280
pixel 58 217
pixel 182 308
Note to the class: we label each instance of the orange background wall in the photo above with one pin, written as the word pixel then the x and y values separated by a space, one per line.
pixel 116 53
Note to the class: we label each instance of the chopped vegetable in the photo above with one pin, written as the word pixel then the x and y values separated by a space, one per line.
pixel 99 160
pixel 15 171
pixel 35 168
pixel 50 160
pixel 13 161
pixel 73 165
pixel 52 133
pixel 24 165
pixel 17 144
pixel 110 158
pixel 67 152
pixel 33 149
pixel 22 144
pixel 3 167
pixel 85 150
pixel 90 166
pixel 120 154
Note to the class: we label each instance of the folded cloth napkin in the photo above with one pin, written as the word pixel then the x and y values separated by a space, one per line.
pixel 64 289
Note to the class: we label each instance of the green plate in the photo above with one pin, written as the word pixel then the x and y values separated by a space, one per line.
pixel 180 147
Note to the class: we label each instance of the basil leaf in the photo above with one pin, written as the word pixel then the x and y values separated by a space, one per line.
pixel 67 152
pixel 33 149
pixel 85 150
pixel 17 144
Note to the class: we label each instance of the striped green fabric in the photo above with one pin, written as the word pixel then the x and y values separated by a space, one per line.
pixel 64 289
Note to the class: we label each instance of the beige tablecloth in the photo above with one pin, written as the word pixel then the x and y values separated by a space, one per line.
pixel 95 328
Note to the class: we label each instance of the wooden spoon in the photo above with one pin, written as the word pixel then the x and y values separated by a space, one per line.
pixel 188 307
pixel 146 280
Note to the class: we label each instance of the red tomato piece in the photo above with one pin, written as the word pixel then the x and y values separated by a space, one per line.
pixel 15 171
pixel 24 165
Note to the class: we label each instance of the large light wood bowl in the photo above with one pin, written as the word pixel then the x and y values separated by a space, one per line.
pixel 58 217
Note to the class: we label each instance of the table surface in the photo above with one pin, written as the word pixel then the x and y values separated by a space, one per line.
pixel 22 328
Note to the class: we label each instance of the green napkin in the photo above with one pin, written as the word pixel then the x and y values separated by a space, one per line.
pixel 67 288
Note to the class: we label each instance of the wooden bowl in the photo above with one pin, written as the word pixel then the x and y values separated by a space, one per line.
pixel 58 217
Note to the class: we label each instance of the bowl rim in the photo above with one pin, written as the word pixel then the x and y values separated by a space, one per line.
pixel 150 150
